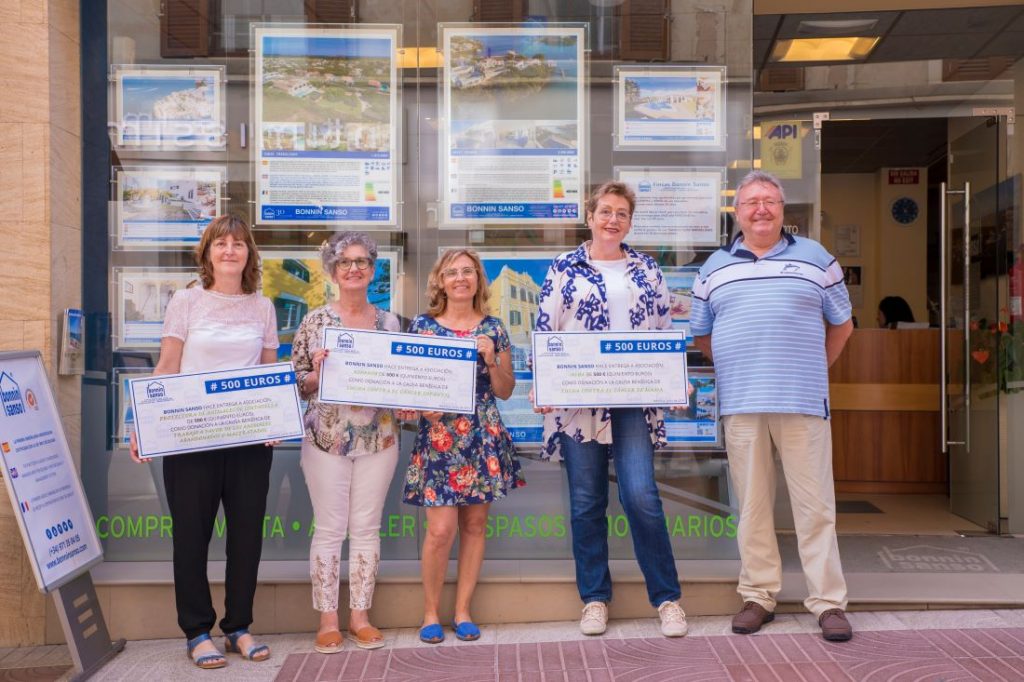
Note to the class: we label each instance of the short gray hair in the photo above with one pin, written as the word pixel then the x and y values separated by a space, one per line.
pixel 331 250
pixel 758 176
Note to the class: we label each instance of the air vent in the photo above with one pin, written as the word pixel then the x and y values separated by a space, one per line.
pixel 977 69
pixel 781 79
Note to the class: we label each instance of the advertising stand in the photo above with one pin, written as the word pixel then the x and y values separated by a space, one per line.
pixel 49 504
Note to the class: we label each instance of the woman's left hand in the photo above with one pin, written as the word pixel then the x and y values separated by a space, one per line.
pixel 407 415
pixel 485 347
pixel 272 443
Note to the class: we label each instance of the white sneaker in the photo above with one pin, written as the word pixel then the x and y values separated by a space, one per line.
pixel 673 619
pixel 595 618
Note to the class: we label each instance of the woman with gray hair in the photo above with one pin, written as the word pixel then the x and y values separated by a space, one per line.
pixel 349 453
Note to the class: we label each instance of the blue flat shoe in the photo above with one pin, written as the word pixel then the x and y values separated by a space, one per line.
pixel 257 652
pixel 207 661
pixel 432 634
pixel 467 631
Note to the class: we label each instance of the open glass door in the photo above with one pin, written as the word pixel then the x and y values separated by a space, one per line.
pixel 971 248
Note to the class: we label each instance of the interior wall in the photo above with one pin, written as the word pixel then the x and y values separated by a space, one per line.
pixel 849 199
pixel 902 249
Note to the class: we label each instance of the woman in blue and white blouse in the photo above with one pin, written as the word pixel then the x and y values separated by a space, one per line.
pixel 604 285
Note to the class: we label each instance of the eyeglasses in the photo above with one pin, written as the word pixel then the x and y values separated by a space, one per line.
pixel 360 263
pixel 455 273
pixel 606 214
pixel 770 204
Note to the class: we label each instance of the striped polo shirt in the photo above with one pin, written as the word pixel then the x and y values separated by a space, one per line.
pixel 766 317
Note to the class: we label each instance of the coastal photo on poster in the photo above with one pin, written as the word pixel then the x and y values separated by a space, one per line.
pixel 296 284
pixel 326 112
pixel 678 107
pixel 168 108
pixel 165 206
pixel 513 108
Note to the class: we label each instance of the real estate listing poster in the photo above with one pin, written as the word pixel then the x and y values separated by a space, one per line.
pixel 515 280
pixel 675 206
pixel 670 107
pixel 326 114
pixel 513 139
pixel 164 206
pixel 168 108
pixel 697 423
pixel 680 289
pixel 141 296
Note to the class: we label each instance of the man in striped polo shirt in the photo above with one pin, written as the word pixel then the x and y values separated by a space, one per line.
pixel 772 312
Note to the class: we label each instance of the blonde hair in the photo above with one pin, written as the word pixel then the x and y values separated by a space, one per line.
pixel 236 227
pixel 437 300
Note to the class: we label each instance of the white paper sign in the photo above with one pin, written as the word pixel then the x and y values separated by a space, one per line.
pixel 408 371
pixel 179 413
pixel 675 206
pixel 610 369
pixel 40 476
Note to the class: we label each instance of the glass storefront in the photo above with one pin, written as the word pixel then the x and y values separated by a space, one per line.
pixel 427 125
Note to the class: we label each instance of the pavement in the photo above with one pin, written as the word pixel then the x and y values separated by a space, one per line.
pixel 938 645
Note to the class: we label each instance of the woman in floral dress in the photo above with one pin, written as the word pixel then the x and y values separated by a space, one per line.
pixel 461 462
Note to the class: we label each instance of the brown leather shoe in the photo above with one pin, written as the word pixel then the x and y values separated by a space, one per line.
pixel 367 637
pixel 329 642
pixel 750 618
pixel 834 626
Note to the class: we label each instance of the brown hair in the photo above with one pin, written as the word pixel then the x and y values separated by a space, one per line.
pixel 437 300
pixel 236 227
pixel 611 187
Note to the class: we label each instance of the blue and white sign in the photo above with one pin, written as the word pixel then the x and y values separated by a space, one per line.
pixel 168 107
pixel 514 135
pixel 326 112
pixel 42 483
pixel 610 369
pixel 165 205
pixel 697 424
pixel 670 107
pixel 392 370
pixel 179 413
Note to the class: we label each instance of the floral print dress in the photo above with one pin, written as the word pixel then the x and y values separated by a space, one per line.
pixel 464 458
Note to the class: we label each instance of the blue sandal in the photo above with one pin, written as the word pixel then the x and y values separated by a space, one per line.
pixel 257 652
pixel 432 634
pixel 207 661
pixel 467 631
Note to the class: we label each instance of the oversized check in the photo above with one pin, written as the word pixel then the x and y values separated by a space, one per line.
pixel 407 371
pixel 609 369
pixel 179 413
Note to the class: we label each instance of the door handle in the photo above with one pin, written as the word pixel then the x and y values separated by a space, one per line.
pixel 944 322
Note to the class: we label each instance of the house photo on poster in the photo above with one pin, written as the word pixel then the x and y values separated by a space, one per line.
pixel 670 107
pixel 296 284
pixel 163 206
pixel 515 280
pixel 141 296
pixel 514 125
pixel 680 288
pixel 168 108
pixel 326 110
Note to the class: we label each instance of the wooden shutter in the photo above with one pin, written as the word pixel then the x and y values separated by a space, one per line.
pixel 499 10
pixel 976 69
pixel 644 33
pixel 331 11
pixel 781 79
pixel 185 28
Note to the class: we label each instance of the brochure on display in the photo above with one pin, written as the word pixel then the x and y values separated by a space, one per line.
pixel 513 141
pixel 697 423
pixel 610 369
pixel 180 413
pixel 515 280
pixel 678 206
pixel 165 206
pixel 168 108
pixel 125 417
pixel 326 116
pixel 296 284
pixel 41 480
pixel 680 289
pixel 72 342
pixel 676 107
pixel 141 298
pixel 407 371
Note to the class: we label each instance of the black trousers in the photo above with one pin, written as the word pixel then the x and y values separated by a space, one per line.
pixel 196 484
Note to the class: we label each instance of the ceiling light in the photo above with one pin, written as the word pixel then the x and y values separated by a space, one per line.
pixel 836 27
pixel 419 57
pixel 823 49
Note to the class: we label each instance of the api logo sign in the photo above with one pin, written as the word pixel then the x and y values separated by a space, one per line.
pixel 10 396
pixel 783 131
